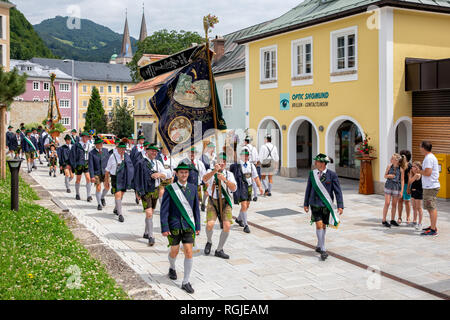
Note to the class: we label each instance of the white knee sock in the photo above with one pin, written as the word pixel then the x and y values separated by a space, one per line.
pixel 244 218
pixel 88 189
pixel 324 231
pixel 209 234
pixel 188 263
pixel 119 206
pixel 98 195
pixel 77 189
pixel 223 238
pixel 172 262
pixel 319 238
pixel 104 193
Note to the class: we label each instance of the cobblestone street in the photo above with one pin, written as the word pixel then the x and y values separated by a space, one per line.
pixel 265 265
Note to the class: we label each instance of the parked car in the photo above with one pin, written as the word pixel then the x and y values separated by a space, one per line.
pixel 107 138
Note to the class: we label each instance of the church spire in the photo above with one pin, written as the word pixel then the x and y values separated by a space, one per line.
pixel 126 53
pixel 143 33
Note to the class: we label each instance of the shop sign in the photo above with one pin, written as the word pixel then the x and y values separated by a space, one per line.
pixel 310 99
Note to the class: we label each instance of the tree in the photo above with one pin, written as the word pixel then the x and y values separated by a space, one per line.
pixel 11 85
pixel 122 123
pixel 95 115
pixel 163 42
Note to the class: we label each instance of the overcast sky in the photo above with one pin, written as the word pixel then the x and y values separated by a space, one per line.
pixel 169 14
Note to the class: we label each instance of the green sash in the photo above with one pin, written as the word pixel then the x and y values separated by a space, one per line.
pixel 325 197
pixel 182 204
pixel 224 192
pixel 30 143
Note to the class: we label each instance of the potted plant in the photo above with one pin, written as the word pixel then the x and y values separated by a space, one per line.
pixel 365 149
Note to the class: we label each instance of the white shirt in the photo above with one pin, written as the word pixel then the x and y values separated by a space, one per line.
pixel 264 152
pixel 158 167
pixel 114 160
pixel 253 153
pixel 250 168
pixel 168 165
pixel 431 182
pixel 87 147
pixel 228 175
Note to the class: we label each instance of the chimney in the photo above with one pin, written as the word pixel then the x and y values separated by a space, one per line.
pixel 219 48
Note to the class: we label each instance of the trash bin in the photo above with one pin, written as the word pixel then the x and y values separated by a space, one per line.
pixel 444 175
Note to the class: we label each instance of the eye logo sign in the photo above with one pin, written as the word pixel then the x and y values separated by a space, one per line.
pixel 284 101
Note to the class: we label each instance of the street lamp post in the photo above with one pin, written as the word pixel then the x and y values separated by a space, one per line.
pixel 14 167
pixel 73 93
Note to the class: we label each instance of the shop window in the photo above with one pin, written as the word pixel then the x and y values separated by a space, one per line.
pixel 269 65
pixel 344 46
pixel 347 140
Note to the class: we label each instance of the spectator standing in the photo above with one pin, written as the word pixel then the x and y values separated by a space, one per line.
pixel 416 191
pixel 431 186
pixel 405 197
pixel 393 187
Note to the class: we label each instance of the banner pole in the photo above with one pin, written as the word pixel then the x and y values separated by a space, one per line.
pixel 214 105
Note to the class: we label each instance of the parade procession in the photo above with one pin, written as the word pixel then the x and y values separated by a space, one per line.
pixel 235 167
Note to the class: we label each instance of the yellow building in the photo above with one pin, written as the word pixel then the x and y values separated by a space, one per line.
pixel 142 92
pixel 111 93
pixel 325 74
pixel 5 34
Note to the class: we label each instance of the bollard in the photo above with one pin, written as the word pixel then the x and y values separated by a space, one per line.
pixel 14 167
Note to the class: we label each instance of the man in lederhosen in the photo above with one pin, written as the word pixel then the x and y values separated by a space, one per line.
pixel 98 159
pixel 79 159
pixel 253 158
pixel 323 186
pixel 35 134
pixel 74 137
pixel 244 173
pixel 228 184
pixel 197 172
pixel 209 159
pixel 9 137
pixel 121 170
pixel 268 155
pixel 166 159
pixel 15 144
pixel 147 178
pixel 29 147
pixel 180 221
pixel 116 143
pixel 135 153
pixel 64 161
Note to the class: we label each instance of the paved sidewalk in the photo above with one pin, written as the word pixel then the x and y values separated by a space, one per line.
pixel 266 266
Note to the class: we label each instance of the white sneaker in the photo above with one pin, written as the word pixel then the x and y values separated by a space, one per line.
pixel 418 227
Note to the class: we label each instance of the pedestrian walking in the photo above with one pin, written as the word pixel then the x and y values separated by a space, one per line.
pixel 64 161
pixel 29 147
pixel 119 172
pixel 253 158
pixel 268 155
pixel 148 174
pixel 9 138
pixel 323 185
pixel 79 159
pixel 245 174
pixel 98 159
pixel 180 222
pixel 228 184
pixel 53 160
pixel 169 165
pixel 405 198
pixel 430 185
pixel 393 187
pixel 416 191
